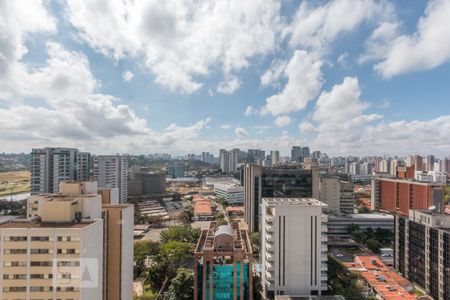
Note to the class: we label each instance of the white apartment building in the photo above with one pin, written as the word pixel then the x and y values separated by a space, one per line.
pixel 111 171
pixel 232 193
pixel 50 166
pixel 294 246
pixel 431 176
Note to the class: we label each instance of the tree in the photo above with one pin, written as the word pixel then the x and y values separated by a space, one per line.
pixel 374 245
pixel 176 255
pixel 352 228
pixel 186 216
pixel 142 249
pixel 182 285
pixel 181 234
pixel 255 238
pixel 384 235
pixel 257 288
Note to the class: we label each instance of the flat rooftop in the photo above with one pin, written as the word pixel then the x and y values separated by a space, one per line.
pixel 294 201
pixel 61 197
pixel 37 224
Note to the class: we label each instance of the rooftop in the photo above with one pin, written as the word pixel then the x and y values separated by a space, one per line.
pixel 293 201
pixel 387 283
pixel 27 223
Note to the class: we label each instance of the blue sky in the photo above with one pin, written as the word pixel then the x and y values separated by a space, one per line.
pixel 345 77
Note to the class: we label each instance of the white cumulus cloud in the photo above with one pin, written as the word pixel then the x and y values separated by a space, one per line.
pixel 127 76
pixel 241 133
pixel 282 121
pixel 427 48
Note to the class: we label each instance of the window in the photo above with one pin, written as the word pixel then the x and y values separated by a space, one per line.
pixel 15 238
pixel 40 238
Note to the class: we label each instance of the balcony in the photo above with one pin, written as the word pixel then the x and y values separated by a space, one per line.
pixel 269 238
pixel 269 219
pixel 269 256
pixel 269 266
pixel 269 248
pixel 323 248
pixel 269 228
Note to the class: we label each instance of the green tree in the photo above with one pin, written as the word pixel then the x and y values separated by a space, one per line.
pixel 142 249
pixel 180 234
pixel 182 285
pixel 176 255
pixel 374 245
pixel 384 235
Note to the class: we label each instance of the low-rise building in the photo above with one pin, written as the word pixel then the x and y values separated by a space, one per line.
pixel 232 193
pixel 338 225
pixel 381 281
pixel 223 263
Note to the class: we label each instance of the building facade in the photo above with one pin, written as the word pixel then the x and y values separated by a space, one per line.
pixel 223 264
pixel 233 194
pixel 399 195
pixel 262 182
pixel 111 171
pixel 293 247
pixel 50 166
pixel 422 251
pixel 337 194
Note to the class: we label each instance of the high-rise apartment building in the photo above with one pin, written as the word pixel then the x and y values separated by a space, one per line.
pixel 255 156
pixel 118 249
pixel 82 200
pixel 422 251
pixel 275 157
pixel 264 182
pixel 294 246
pixel 56 256
pixel 223 263
pixel 399 195
pixel 50 166
pixel 338 195
pixel 298 154
pixel 111 171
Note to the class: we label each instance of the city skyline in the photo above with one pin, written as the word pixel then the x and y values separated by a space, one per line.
pixel 181 78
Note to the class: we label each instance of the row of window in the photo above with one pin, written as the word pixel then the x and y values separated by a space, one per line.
pixel 24 276
pixel 41 264
pixel 41 251
pixel 41 239
pixel 40 289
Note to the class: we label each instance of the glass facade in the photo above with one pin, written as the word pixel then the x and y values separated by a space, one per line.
pixel 223 281
pixel 286 183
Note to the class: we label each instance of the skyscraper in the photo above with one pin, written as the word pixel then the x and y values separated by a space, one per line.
pixel 50 166
pixel 275 156
pixel 293 247
pixel 264 182
pixel 111 171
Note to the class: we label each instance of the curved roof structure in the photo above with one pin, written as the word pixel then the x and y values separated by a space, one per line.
pixel 224 229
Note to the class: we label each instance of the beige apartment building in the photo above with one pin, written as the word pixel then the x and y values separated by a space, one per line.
pixel 70 247
pixel 53 256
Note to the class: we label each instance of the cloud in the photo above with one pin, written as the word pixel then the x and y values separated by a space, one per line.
pixel 304 83
pixel 174 133
pixel 127 76
pixel 241 133
pixel 229 86
pixel 343 60
pixel 379 42
pixel 180 42
pixel 306 127
pixel 273 74
pixel 282 121
pixel 315 27
pixel 250 110
pixel 226 126
pixel 426 49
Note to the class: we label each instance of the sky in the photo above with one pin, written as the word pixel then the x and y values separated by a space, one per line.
pixel 346 77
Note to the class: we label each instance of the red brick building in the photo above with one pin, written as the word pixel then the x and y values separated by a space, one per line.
pixel 399 195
